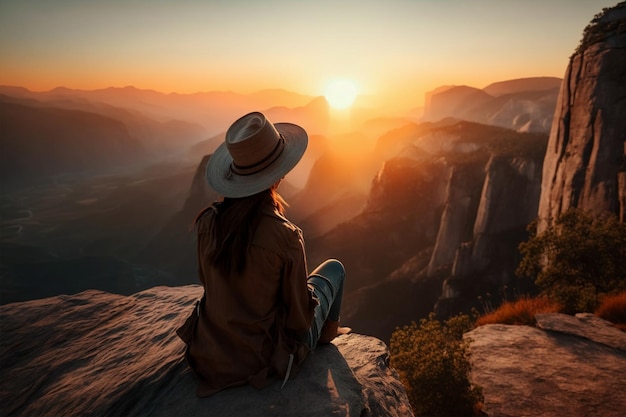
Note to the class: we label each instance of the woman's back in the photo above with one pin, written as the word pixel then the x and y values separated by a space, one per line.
pixel 261 312
pixel 239 320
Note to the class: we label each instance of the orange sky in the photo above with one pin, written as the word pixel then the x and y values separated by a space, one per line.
pixel 393 48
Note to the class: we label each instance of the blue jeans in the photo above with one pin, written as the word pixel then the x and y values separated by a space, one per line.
pixel 326 281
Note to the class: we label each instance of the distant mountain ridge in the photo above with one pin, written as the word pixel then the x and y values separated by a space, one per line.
pixel 213 110
pixel 524 105
pixel 148 126
pixel 39 142
pixel 520 85
pixel 43 139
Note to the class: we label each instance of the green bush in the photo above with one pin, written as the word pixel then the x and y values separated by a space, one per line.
pixel 433 362
pixel 577 259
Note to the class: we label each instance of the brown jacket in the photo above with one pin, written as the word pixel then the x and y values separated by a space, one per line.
pixel 250 324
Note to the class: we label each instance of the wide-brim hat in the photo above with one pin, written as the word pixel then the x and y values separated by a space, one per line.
pixel 255 154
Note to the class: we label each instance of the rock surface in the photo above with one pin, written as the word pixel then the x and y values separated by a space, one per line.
pixel 584 163
pixel 96 353
pixel 571 366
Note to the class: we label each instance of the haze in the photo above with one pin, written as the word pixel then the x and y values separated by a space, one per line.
pixel 394 50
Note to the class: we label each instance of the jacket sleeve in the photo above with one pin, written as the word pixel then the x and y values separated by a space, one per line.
pixel 297 298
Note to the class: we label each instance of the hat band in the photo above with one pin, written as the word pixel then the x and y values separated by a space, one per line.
pixel 262 164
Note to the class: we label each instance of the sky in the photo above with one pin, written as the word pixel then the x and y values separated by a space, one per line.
pixel 391 48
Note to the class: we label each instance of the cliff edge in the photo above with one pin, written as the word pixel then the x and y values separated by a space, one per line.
pixel 102 354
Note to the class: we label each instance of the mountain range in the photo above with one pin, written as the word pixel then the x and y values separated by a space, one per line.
pixel 424 214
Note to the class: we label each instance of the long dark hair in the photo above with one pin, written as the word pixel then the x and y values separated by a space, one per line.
pixel 231 232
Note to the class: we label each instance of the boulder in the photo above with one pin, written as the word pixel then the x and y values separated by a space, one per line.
pixel 567 366
pixel 101 354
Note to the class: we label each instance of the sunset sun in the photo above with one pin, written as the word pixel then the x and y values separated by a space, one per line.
pixel 340 94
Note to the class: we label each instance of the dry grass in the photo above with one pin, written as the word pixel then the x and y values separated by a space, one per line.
pixel 521 311
pixel 613 309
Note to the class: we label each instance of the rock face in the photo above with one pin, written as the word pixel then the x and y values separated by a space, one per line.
pixel 444 189
pixel 100 354
pixel 486 260
pixel 569 366
pixel 508 203
pixel 584 166
pixel 401 218
pixel 463 195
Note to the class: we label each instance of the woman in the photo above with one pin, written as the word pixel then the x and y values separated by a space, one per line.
pixel 261 313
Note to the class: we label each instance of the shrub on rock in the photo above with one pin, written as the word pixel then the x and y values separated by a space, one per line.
pixel 432 359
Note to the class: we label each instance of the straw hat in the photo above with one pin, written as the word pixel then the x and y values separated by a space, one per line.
pixel 255 155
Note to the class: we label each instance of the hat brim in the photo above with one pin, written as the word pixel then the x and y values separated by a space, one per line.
pixel 229 184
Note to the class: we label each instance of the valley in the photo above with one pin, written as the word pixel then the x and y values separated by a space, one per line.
pixel 426 215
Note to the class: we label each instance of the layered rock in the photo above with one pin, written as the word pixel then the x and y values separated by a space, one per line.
pixel 101 354
pixel 585 166
pixel 567 366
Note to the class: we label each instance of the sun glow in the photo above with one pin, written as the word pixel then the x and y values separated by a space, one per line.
pixel 340 94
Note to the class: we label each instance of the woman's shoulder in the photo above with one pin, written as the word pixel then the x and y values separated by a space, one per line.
pixel 205 216
pixel 276 227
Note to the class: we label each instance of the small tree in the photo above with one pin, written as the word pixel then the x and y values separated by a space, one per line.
pixel 577 259
pixel 433 362
pixel 600 28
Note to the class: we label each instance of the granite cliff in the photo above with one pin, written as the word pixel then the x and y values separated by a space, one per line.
pixel 584 166
pixel 486 262
pixel 585 163
pixel 441 225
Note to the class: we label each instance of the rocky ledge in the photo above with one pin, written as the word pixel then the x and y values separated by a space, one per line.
pixel 566 366
pixel 101 354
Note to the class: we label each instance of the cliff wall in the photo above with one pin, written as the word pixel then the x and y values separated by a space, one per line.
pixel 584 166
